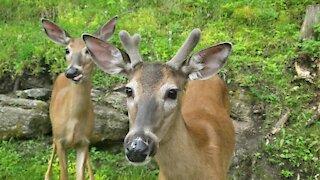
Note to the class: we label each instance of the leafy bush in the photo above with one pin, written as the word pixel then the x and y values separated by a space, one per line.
pixel 264 34
pixel 312 46
pixel 295 152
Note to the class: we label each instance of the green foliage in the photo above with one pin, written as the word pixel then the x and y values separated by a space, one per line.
pixel 114 166
pixel 287 173
pixel 264 34
pixel 311 46
pixel 297 150
pixel 29 160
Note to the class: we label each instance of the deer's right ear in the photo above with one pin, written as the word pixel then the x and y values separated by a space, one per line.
pixel 106 30
pixel 107 57
pixel 55 33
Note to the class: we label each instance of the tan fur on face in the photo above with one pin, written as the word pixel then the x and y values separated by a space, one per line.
pixel 196 132
pixel 84 63
pixel 155 85
pixel 76 44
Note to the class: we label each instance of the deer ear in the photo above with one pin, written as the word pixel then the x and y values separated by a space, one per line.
pixel 107 57
pixel 207 63
pixel 106 30
pixel 55 33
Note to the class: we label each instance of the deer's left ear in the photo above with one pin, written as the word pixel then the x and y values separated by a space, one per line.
pixel 207 63
pixel 108 58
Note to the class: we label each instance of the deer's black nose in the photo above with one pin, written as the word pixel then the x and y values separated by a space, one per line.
pixel 71 72
pixel 137 151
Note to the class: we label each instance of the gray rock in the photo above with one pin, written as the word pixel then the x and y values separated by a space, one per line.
pixel 10 82
pixel 110 124
pixel 6 83
pixel 111 118
pixel 241 112
pixel 23 103
pixel 29 80
pixel 23 118
pixel 97 95
pixel 35 93
pixel 117 100
pixel 248 117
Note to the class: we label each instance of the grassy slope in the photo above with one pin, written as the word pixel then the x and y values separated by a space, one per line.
pixel 29 160
pixel 264 34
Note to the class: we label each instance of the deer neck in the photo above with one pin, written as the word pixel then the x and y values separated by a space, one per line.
pixel 80 95
pixel 82 89
pixel 178 156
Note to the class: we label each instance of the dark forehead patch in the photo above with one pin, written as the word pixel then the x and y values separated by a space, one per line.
pixel 151 75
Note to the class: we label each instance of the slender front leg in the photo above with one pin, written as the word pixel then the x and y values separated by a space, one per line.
pixel 82 152
pixel 49 171
pixel 91 176
pixel 161 176
pixel 63 161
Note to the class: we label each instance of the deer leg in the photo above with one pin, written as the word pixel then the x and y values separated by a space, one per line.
pixel 82 152
pixel 49 171
pixel 91 176
pixel 63 161
pixel 161 176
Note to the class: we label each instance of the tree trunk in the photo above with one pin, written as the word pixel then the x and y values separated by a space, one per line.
pixel 311 19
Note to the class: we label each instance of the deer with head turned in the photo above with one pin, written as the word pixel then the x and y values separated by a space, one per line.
pixel 185 125
pixel 71 109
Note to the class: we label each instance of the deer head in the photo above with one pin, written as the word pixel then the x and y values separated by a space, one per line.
pixel 78 58
pixel 154 90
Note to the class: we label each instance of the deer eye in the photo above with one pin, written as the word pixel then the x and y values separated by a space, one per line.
pixel 172 94
pixel 67 51
pixel 129 92
pixel 87 51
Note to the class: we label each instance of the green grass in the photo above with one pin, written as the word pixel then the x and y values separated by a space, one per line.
pixel 29 160
pixel 264 33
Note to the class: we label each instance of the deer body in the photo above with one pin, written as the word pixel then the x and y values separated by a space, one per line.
pixel 71 108
pixel 183 124
pixel 204 129
pixel 72 119
pixel 76 116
